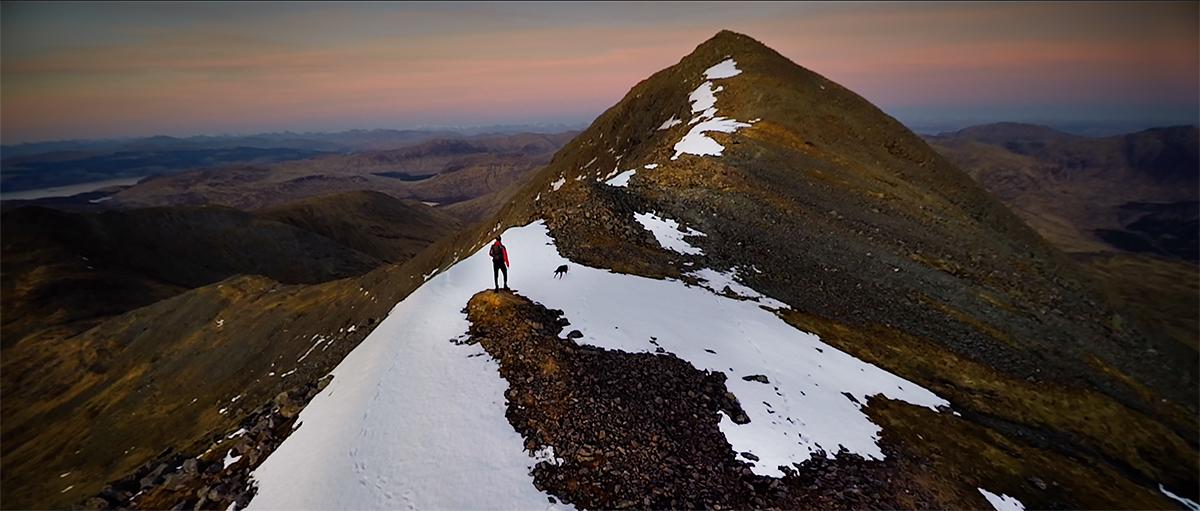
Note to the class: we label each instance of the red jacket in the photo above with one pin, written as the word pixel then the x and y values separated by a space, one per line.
pixel 498 252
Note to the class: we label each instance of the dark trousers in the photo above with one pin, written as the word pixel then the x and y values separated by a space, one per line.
pixel 497 267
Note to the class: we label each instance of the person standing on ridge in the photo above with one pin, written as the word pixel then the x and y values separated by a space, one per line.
pixel 499 263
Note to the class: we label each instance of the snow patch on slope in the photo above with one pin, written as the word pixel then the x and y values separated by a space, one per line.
pixel 696 143
pixel 717 281
pixel 546 453
pixel 704 101
pixel 1002 502
pixel 230 459
pixel 667 232
pixel 725 69
pixel 1188 503
pixel 622 179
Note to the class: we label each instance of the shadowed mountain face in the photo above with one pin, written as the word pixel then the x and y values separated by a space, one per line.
pixel 887 251
pixel 198 245
pixel 63 266
pixel 1133 193
pixel 78 266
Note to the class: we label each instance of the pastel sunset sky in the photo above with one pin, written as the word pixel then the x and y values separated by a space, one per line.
pixel 109 70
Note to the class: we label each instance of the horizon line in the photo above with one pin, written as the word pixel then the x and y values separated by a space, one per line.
pixel 920 126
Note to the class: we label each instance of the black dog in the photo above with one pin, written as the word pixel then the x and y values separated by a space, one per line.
pixel 562 270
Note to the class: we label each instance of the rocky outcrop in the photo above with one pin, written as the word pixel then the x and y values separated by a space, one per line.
pixel 617 429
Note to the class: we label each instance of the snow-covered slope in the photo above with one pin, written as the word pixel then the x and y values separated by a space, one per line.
pixel 411 420
pixel 415 420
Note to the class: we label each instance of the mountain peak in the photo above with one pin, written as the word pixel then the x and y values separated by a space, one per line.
pixel 740 163
pixel 729 115
pixel 730 42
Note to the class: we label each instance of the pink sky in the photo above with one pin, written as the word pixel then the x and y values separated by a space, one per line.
pixel 97 70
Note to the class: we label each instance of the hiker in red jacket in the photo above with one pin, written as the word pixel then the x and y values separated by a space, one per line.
pixel 499 263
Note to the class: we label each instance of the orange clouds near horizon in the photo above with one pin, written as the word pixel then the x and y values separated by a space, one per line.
pixel 192 69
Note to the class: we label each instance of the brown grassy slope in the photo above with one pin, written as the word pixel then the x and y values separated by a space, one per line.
pixel 126 366
pixel 1155 289
pixel 388 229
pixel 99 404
pixel 834 208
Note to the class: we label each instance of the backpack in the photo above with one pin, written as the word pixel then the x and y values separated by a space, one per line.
pixel 497 252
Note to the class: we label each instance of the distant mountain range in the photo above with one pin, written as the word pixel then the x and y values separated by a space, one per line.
pixel 344 141
pixel 58 169
pixel 29 166
pixel 440 171
pixel 1137 192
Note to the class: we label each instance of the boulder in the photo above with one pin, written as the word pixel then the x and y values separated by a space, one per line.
pixel 288 407
pixel 191 466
